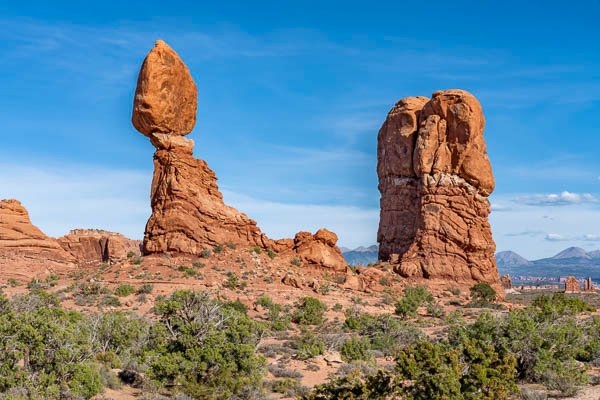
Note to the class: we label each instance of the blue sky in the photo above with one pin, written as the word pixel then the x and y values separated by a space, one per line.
pixel 291 96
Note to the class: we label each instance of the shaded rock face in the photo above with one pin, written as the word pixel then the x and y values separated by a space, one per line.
pixel 96 246
pixel 434 180
pixel 25 251
pixel 188 212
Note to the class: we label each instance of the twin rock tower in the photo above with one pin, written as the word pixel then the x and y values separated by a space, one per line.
pixel 434 179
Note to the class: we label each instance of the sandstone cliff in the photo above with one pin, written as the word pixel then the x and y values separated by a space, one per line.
pixel 24 249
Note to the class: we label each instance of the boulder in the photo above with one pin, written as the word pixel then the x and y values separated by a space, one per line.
pixel 435 178
pixel 166 96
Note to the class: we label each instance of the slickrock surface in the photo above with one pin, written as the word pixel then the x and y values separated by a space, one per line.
pixel 188 212
pixel 435 178
pixel 97 246
pixel 24 249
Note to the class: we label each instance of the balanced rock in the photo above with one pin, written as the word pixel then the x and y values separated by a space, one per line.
pixel 435 178
pixel 93 246
pixel 24 249
pixel 188 212
pixel 166 96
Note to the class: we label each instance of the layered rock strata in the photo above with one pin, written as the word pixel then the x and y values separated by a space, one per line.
pixel 95 246
pixel 435 178
pixel 188 212
pixel 25 251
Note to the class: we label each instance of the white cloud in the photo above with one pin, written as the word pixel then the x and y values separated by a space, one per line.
pixel 560 199
pixel 555 237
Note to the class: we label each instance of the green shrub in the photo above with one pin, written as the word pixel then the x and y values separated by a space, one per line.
pixel 124 290
pixel 308 345
pixel 356 349
pixel 296 261
pixel 218 249
pixel 145 289
pixel 310 311
pixel 483 292
pixel 232 281
pixel 414 297
pixel 85 381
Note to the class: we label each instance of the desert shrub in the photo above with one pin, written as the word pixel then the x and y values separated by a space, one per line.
pixel 387 333
pixel 436 310
pixel 237 305
pixel 471 370
pixel 337 307
pixel 207 349
pixel 231 245
pixel 218 249
pixel 308 345
pixel 271 254
pixel 279 321
pixel 131 254
pixel 85 381
pixel 558 305
pixel 145 289
pixel 124 290
pixel 205 253
pixel 414 297
pixel 232 281
pixel 109 301
pixel 296 261
pixel 356 386
pixel 287 386
pixel 279 371
pixel 483 292
pixel 256 250
pixel 310 311
pixel 356 349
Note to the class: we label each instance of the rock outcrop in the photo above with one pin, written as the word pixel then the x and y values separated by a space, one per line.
pixel 24 249
pixel 94 246
pixel 188 212
pixel 435 178
pixel 571 285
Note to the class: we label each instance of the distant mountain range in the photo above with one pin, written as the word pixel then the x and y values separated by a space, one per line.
pixel 571 261
pixel 361 255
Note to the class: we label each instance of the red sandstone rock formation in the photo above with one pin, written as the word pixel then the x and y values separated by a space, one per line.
pixel 506 281
pixel 434 179
pixel 571 285
pixel 188 212
pixel 24 249
pixel 95 246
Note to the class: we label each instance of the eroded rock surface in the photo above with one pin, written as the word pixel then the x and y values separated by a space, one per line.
pixel 24 249
pixel 188 212
pixel 435 178
pixel 96 246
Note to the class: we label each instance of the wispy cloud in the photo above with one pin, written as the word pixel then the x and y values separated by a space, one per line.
pixel 525 233
pixel 557 199
pixel 555 237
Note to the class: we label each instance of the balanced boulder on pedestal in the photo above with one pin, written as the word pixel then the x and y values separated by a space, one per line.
pixel 188 212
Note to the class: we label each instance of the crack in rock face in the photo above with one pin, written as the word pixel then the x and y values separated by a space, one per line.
pixel 435 178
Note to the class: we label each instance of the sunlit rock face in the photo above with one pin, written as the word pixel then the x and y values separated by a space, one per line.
pixel 435 178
